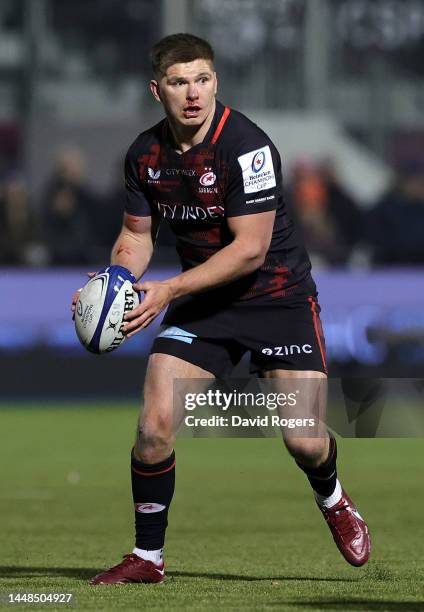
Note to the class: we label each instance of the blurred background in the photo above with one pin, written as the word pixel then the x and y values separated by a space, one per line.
pixel 337 84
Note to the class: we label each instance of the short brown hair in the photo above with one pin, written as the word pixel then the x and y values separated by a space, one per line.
pixel 178 49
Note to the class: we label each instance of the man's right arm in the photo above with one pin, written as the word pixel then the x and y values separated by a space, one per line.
pixel 133 248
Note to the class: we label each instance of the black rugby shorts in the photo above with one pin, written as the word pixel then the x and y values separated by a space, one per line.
pixel 280 334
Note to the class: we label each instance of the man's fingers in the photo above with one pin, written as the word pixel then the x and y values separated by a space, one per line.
pixel 148 321
pixel 141 326
pixel 75 299
pixel 138 322
pixel 142 286
pixel 135 313
pixel 74 302
pixel 138 311
pixel 77 294
pixel 143 320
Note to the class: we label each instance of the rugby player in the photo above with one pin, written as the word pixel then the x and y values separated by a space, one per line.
pixel 215 177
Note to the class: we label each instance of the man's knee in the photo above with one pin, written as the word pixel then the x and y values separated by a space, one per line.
pixel 155 439
pixel 310 452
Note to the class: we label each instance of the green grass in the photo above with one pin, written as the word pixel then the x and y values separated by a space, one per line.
pixel 244 532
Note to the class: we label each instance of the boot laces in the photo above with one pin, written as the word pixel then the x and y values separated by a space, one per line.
pixel 344 521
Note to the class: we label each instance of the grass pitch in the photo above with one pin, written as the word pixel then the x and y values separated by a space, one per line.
pixel 244 531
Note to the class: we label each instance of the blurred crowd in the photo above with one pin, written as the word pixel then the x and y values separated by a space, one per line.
pixel 339 231
pixel 72 225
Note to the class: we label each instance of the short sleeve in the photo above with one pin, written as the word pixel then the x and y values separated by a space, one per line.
pixel 254 181
pixel 136 202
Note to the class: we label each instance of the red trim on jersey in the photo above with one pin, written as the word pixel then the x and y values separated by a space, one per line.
pixel 168 469
pixel 317 327
pixel 221 124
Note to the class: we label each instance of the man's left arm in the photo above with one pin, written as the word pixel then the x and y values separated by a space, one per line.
pixel 245 254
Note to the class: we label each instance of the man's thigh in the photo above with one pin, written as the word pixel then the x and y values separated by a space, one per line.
pixel 193 344
pixel 160 410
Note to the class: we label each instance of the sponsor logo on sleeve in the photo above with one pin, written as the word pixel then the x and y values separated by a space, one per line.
pixel 258 170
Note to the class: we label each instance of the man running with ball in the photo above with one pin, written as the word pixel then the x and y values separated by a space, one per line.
pixel 245 285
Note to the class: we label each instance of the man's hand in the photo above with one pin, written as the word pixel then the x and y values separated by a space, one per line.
pixel 157 296
pixel 77 294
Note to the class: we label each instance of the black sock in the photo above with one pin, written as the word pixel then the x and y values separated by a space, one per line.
pixel 323 478
pixel 152 488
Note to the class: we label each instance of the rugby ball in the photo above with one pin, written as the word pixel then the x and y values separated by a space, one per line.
pixel 101 306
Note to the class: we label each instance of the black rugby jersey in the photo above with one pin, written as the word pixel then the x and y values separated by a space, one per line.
pixel 235 171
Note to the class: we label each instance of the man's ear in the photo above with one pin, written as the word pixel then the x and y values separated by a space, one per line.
pixel 216 83
pixel 154 88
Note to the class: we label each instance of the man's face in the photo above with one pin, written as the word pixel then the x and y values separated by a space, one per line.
pixel 187 92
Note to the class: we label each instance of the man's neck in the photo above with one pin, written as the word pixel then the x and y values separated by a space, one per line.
pixel 186 137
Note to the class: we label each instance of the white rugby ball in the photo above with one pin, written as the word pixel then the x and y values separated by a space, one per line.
pixel 101 306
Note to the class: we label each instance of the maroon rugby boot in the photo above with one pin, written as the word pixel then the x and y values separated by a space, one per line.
pixel 132 569
pixel 350 531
